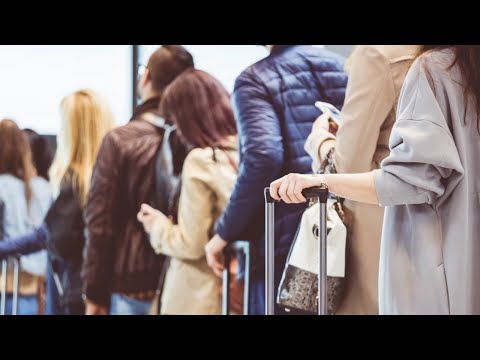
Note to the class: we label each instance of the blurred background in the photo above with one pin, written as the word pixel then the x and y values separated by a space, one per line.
pixel 44 74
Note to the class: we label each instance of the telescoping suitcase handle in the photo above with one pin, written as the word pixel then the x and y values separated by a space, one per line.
pixel 238 246
pixel 3 285
pixel 320 193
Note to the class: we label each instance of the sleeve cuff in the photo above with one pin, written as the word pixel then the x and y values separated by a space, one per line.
pixel 158 234
pixel 384 193
pixel 314 145
pixel 220 231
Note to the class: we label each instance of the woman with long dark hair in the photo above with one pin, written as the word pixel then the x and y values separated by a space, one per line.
pixel 430 186
pixel 200 108
pixel 24 201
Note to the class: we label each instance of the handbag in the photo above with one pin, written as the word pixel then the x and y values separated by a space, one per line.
pixel 298 289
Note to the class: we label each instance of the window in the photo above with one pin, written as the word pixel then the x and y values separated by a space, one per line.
pixel 35 78
pixel 225 62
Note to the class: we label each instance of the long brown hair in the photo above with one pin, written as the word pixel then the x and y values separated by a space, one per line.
pixel 200 107
pixel 467 57
pixel 15 155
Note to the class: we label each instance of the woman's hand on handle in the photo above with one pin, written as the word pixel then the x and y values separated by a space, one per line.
pixel 289 188
pixel 356 187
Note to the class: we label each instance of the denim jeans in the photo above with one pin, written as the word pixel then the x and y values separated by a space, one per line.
pixel 123 305
pixel 27 305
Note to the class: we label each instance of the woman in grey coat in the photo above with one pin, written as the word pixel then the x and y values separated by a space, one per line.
pixel 430 186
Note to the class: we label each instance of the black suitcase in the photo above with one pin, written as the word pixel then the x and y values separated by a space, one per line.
pixel 320 193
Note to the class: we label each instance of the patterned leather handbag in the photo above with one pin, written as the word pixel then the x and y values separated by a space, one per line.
pixel 299 285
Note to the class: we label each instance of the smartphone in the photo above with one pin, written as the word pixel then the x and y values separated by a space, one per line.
pixel 329 109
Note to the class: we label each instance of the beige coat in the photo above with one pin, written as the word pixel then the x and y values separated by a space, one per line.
pixel 376 76
pixel 191 288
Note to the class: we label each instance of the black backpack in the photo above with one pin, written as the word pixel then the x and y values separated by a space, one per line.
pixel 168 172
pixel 168 182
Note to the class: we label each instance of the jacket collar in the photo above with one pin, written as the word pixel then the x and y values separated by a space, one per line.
pixel 150 106
pixel 277 49
pixel 230 143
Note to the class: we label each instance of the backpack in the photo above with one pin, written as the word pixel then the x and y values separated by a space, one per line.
pixel 168 173
pixel 169 161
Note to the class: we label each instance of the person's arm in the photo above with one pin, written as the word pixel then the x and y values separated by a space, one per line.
pixel 187 240
pixel 262 157
pixel 26 244
pixel 370 98
pixel 423 157
pixel 100 223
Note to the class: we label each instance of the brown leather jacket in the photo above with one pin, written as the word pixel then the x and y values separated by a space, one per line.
pixel 119 258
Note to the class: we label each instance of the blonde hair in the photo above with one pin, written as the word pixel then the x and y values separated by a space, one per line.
pixel 86 119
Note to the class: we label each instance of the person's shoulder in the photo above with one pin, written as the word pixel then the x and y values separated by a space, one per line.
pixel 199 157
pixel 40 183
pixel 436 60
pixel 199 163
pixel 389 53
pixel 250 76
pixel 7 180
pixel 436 66
pixel 129 132
pixel 10 184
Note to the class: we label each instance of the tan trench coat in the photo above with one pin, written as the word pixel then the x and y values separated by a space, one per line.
pixel 376 76
pixel 191 287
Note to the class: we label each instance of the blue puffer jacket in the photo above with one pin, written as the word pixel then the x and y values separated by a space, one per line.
pixel 274 107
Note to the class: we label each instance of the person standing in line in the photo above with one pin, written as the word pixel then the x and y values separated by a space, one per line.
pixel 274 103
pixel 86 119
pixel 24 201
pixel 200 108
pixel 375 77
pixel 429 185
pixel 121 271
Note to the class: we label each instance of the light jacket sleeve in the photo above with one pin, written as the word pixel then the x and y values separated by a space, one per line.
pixel 261 157
pixel 370 98
pixel 423 152
pixel 187 240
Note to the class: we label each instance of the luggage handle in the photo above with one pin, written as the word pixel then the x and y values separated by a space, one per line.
pixel 3 286
pixel 320 193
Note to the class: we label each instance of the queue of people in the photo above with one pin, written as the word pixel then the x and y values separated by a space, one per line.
pixel 130 216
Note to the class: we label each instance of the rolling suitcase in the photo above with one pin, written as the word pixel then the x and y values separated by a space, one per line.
pixel 239 247
pixel 16 280
pixel 320 193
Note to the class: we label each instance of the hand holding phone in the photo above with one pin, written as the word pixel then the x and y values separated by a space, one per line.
pixel 333 114
pixel 329 109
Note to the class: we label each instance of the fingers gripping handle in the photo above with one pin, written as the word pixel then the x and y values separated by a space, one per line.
pixel 318 192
